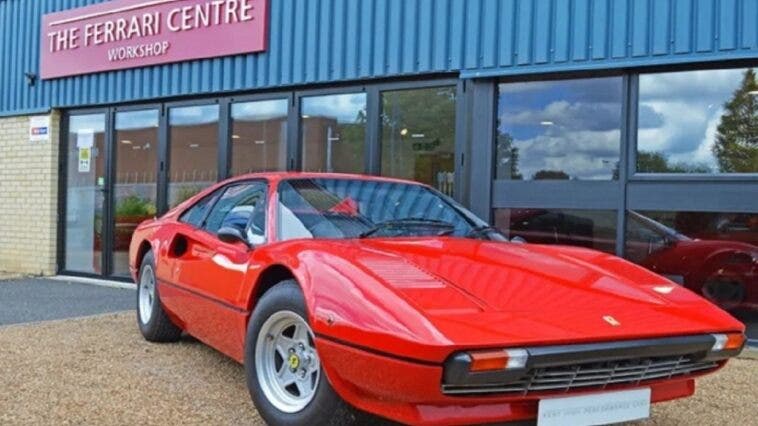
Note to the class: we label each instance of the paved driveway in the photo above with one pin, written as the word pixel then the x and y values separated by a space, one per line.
pixel 36 299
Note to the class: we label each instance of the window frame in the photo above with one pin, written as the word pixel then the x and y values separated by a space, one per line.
pixel 164 181
pixel 225 155
pixel 632 191
pixel 375 157
pixel 216 195
pixel 296 153
pixel 633 117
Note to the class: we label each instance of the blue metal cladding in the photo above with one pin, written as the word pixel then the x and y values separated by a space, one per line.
pixel 321 41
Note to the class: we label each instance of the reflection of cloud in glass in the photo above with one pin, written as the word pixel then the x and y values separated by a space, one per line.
pixel 193 115
pixel 259 110
pixel 571 126
pixel 91 122
pixel 345 108
pixel 688 106
pixel 133 120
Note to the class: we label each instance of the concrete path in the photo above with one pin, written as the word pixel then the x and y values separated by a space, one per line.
pixel 25 300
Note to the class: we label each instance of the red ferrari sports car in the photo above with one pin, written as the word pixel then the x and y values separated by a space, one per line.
pixel 350 298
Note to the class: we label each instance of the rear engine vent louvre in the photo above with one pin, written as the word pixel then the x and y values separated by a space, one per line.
pixel 592 375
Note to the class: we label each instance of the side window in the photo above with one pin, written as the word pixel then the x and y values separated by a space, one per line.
pixel 236 207
pixel 195 215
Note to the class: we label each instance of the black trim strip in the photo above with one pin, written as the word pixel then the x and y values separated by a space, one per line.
pixel 378 352
pixel 552 356
pixel 205 297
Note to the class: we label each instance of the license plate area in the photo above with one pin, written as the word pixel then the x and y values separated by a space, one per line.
pixel 595 409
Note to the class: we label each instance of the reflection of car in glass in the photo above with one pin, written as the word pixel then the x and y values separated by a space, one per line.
pixel 725 272
pixel 347 294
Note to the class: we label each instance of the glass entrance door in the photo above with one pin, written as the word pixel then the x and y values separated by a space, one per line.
pixel 85 194
pixel 135 180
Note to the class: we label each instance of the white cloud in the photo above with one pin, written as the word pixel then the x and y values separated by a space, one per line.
pixel 581 154
pixel 344 108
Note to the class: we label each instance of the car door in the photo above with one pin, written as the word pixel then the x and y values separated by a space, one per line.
pixel 212 271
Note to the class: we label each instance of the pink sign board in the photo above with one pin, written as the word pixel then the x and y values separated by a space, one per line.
pixel 122 34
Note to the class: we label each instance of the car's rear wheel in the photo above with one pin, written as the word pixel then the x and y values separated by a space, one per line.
pixel 154 323
pixel 284 372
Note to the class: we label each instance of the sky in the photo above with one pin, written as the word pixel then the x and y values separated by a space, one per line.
pixel 679 113
pixel 344 107
pixel 574 125
pixel 568 125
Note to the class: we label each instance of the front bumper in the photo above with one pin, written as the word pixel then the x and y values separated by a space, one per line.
pixel 412 392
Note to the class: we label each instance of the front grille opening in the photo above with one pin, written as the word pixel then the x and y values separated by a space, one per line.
pixel 598 375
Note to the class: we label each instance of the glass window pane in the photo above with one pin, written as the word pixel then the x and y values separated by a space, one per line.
pixel 236 206
pixel 259 136
pixel 85 182
pixel 136 146
pixel 595 229
pixel 197 213
pixel 559 130
pixel 713 254
pixel 698 122
pixel 418 136
pixel 334 133
pixel 193 144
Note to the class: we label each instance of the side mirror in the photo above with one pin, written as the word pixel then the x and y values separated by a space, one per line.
pixel 232 235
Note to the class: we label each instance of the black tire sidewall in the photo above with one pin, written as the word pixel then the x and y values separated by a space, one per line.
pixel 326 406
pixel 148 328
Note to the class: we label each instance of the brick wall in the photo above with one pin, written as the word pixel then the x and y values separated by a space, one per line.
pixel 28 198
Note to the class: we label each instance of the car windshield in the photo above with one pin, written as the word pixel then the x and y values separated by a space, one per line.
pixel 365 208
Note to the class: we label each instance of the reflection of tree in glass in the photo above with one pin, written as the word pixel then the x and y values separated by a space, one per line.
pixel 507 157
pixel 736 147
pixel 551 175
pixel 656 162
pixel 418 134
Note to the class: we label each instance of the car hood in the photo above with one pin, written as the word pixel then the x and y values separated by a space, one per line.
pixel 482 294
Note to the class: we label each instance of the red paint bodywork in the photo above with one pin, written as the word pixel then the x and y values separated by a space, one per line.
pixel 388 311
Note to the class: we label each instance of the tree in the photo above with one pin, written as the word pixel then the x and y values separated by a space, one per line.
pixel 551 175
pixel 507 158
pixel 656 162
pixel 736 147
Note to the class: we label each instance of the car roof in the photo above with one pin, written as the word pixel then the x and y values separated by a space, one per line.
pixel 279 176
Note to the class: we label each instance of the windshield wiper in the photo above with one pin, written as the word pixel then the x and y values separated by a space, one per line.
pixel 406 222
pixel 483 231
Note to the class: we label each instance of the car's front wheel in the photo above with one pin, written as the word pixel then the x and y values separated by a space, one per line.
pixel 154 323
pixel 284 372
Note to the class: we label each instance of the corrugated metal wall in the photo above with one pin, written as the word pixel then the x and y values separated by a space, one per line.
pixel 337 40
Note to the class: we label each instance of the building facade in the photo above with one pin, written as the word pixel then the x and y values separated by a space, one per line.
pixel 627 126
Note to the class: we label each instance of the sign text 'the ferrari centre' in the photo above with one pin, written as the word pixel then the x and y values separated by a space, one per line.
pixel 134 33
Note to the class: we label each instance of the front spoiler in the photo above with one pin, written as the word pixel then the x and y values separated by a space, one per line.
pixel 697 347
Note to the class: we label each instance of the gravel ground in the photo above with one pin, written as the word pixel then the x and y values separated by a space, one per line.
pixel 98 370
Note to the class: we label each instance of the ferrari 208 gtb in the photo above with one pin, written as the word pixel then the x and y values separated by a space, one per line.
pixel 351 299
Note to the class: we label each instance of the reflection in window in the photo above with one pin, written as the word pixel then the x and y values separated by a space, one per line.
pixel 714 254
pixel 85 182
pixel 259 136
pixel 418 136
pixel 567 129
pixel 193 151
pixel 698 122
pixel 334 133
pixel 136 179
pixel 595 229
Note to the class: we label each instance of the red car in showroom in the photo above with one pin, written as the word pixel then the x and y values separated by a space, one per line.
pixel 350 298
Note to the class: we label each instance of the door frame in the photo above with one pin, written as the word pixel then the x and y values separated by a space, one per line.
pixel 63 174
pixel 111 177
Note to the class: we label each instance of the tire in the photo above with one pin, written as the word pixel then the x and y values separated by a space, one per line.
pixel 152 320
pixel 278 305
